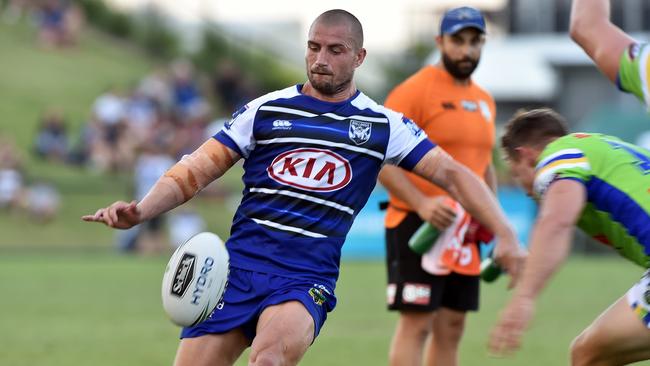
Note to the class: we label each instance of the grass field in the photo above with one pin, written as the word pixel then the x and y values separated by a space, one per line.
pixel 101 309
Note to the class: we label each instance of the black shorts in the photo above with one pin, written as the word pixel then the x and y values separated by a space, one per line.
pixel 411 288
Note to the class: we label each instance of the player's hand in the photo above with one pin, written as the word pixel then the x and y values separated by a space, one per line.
pixel 510 257
pixel 119 215
pixel 437 212
pixel 515 318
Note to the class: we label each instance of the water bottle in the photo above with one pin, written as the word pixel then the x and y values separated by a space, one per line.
pixel 490 270
pixel 423 238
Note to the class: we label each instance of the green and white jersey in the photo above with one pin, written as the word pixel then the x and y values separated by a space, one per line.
pixel 616 176
pixel 634 70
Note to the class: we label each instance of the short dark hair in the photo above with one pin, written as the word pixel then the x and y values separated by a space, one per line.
pixel 338 16
pixel 534 127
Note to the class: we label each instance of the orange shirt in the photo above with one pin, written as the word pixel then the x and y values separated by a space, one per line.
pixel 459 118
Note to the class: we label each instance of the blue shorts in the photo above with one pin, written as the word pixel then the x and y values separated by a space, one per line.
pixel 249 293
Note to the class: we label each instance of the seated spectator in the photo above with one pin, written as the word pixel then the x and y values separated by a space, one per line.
pixel 51 139
pixel 184 223
pixel 11 177
pixel 59 23
pixel 156 86
pixel 41 201
pixel 141 114
pixel 187 98
pixel 115 150
pixel 230 86
pixel 153 161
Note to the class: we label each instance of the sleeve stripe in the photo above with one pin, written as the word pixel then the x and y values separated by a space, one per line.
pixel 561 158
pixel 412 158
pixel 546 175
pixel 562 154
pixel 222 137
pixel 565 163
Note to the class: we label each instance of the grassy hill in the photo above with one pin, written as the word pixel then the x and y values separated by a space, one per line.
pixel 33 79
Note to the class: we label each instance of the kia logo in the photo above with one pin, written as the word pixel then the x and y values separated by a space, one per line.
pixel 311 169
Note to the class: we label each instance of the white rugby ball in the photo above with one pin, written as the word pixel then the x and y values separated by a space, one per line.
pixel 195 279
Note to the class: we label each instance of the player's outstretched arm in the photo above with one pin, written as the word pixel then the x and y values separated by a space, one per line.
pixel 550 244
pixel 592 30
pixel 475 196
pixel 180 183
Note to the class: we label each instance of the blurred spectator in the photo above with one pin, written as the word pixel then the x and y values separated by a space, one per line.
pixel 11 177
pixel 231 87
pixel 51 141
pixel 153 162
pixel 59 23
pixel 190 133
pixel 184 223
pixel 114 151
pixel 141 113
pixel 41 201
pixel 109 108
pixel 187 99
pixel 156 86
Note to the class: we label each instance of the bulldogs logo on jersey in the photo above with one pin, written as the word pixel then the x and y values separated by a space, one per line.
pixel 360 131
pixel 311 169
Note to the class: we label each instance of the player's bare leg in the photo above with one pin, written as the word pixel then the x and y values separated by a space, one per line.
pixel 442 348
pixel 284 332
pixel 212 349
pixel 408 341
pixel 616 337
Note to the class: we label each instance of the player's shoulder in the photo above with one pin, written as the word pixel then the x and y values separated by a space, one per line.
pixel 286 93
pixel 575 144
pixel 364 102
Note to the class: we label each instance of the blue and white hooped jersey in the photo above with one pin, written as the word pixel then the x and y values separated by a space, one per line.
pixel 310 167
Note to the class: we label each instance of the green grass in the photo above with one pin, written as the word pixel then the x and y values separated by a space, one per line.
pixel 102 309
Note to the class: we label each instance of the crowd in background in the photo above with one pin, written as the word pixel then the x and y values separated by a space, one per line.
pixel 143 131
pixel 38 200
pixel 139 130
pixel 166 113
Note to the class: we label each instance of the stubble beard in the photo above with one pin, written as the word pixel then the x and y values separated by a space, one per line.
pixel 330 88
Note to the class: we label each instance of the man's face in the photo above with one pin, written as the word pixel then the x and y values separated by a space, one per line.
pixel 522 168
pixel 461 51
pixel 332 57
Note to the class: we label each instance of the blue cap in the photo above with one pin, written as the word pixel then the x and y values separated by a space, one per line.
pixel 458 19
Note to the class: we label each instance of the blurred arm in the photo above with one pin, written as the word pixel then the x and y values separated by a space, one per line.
pixel 490 178
pixel 550 241
pixel 433 210
pixel 394 180
pixel 185 179
pixel 549 246
pixel 592 30
pixel 467 188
